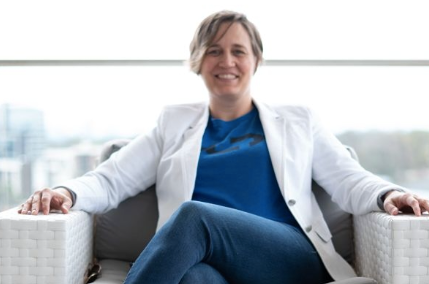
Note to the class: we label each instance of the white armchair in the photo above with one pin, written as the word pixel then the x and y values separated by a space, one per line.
pixel 392 249
pixel 58 248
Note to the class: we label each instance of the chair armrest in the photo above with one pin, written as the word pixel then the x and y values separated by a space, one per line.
pixel 54 248
pixel 392 249
pixel 111 147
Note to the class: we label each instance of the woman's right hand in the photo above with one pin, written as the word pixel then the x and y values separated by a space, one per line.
pixel 47 200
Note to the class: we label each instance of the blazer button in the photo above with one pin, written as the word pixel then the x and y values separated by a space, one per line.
pixel 308 229
pixel 291 202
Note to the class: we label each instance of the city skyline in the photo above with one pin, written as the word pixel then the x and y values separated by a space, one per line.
pixel 28 163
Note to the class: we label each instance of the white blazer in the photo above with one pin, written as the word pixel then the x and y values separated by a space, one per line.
pixel 300 150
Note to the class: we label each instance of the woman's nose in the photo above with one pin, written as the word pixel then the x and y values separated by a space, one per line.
pixel 227 60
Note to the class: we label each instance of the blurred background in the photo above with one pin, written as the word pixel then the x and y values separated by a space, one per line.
pixel 75 74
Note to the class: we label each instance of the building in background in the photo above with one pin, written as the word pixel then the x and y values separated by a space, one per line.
pixel 22 142
pixel 26 161
pixel 22 133
pixel 63 163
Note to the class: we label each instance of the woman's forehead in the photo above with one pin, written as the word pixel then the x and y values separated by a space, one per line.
pixel 232 32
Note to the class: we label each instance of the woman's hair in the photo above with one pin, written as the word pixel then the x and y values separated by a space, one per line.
pixel 208 29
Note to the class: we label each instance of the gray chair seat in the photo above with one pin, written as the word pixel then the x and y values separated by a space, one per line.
pixel 355 280
pixel 113 271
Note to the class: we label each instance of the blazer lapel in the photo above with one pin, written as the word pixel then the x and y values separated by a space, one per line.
pixel 190 153
pixel 274 129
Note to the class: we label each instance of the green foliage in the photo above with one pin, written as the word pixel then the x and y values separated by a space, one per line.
pixel 390 154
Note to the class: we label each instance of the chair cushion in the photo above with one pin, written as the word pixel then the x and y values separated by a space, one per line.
pixel 113 272
pixel 340 223
pixel 122 233
pixel 355 280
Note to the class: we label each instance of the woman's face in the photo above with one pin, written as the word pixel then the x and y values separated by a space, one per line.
pixel 229 63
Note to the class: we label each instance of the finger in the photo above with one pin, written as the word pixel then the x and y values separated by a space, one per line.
pixel 424 204
pixel 20 208
pixel 46 197
pixel 35 204
pixel 414 204
pixel 27 205
pixel 391 208
pixel 65 207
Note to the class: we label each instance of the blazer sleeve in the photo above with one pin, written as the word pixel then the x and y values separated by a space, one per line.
pixel 127 172
pixel 352 187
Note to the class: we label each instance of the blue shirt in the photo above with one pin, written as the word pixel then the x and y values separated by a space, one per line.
pixel 235 169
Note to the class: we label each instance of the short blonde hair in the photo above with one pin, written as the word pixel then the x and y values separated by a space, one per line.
pixel 208 29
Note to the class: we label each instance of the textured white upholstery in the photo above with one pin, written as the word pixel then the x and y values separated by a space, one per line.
pixel 55 248
pixel 392 249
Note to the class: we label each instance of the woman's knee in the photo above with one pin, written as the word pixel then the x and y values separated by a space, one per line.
pixel 199 221
pixel 186 218
pixel 194 207
pixel 195 211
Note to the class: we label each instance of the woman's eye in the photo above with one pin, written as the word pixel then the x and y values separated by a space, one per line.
pixel 213 52
pixel 239 52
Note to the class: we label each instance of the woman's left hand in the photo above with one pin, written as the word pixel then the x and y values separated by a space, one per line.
pixel 396 201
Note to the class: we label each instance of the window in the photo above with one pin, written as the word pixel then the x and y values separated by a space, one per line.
pixel 92 71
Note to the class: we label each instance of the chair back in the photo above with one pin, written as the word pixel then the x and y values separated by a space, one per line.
pixel 122 233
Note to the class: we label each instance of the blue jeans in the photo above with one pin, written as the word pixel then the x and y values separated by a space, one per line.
pixel 206 243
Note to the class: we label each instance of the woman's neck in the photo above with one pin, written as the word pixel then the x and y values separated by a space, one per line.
pixel 227 111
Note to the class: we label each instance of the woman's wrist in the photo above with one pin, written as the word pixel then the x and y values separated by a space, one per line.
pixel 383 195
pixel 67 192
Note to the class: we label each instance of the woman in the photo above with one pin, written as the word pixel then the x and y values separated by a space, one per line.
pixel 246 166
